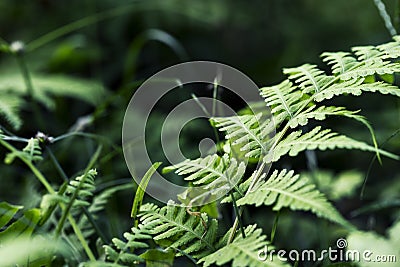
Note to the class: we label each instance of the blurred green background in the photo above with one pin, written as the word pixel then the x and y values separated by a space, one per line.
pixel 120 43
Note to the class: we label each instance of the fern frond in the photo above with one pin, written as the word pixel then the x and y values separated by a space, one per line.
pixel 368 68
pixel 318 139
pixel 309 78
pixel 285 189
pixel 176 228
pixel 247 131
pixel 9 107
pixel 244 251
pixel 284 100
pixel 81 188
pixel 31 152
pixel 390 50
pixel 122 251
pixel 356 88
pixel 320 113
pixel 23 226
pixel 214 172
pixel 340 62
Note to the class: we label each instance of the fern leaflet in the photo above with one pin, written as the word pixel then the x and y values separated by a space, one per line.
pixel 31 152
pixel 123 251
pixel 309 78
pixel 243 251
pixel 214 172
pixel 284 189
pixel 296 142
pixel 247 131
pixel 177 229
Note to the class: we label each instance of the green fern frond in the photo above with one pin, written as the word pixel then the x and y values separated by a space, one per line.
pixel 284 100
pixel 122 251
pixel 23 226
pixel 309 78
pixel 180 230
pixel 244 251
pixel 46 87
pixel 214 172
pixel 320 113
pixel 285 189
pixel 81 188
pixel 368 68
pixel 340 62
pixel 356 88
pixel 31 152
pixel 296 142
pixel 247 131
pixel 9 107
pixel 390 50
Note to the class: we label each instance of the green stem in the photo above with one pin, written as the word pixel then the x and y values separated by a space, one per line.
pixel 29 88
pixel 274 227
pixel 81 238
pixel 47 185
pixel 238 215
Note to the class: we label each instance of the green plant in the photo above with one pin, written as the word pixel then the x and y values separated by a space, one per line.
pixel 159 235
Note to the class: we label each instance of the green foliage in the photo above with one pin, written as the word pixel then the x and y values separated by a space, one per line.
pixel 374 249
pixel 138 200
pixel 285 189
pixel 243 251
pixel 296 142
pixel 11 226
pixel 214 172
pixel 123 251
pixel 31 152
pixel 45 89
pixel 193 231
pixel 179 229
pixel 336 186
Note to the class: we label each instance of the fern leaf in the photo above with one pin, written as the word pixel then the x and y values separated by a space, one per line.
pixel 318 139
pixel 244 251
pixel 9 107
pixel 22 226
pixel 339 61
pixel 214 172
pixel 356 88
pixel 247 131
pixel 390 50
pixel 368 68
pixel 46 86
pixel 122 251
pixel 177 229
pixel 284 100
pixel 309 77
pixel 81 188
pixel 31 152
pixel 285 189
pixel 320 113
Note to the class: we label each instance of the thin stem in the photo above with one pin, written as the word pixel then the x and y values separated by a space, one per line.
pixel 238 215
pixel 81 238
pixel 57 165
pixel 29 87
pixel 275 226
pixel 385 16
